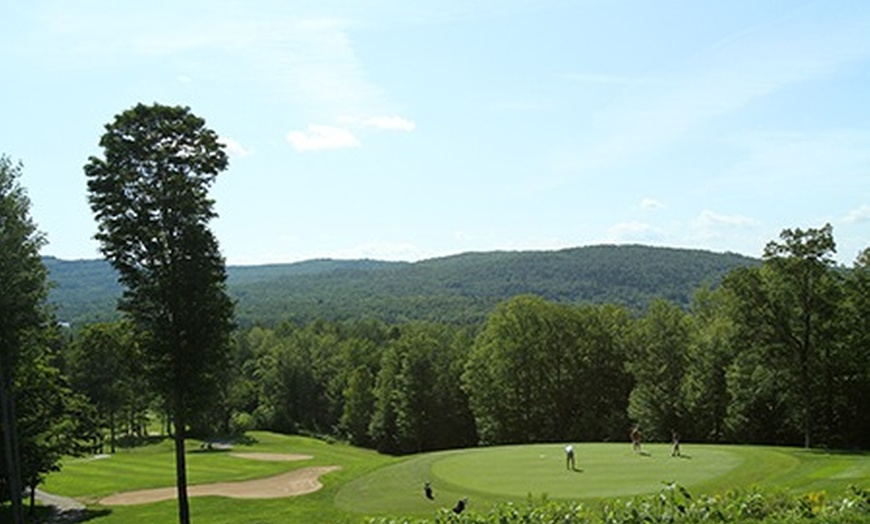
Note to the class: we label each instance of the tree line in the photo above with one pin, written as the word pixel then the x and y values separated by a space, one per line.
pixel 462 288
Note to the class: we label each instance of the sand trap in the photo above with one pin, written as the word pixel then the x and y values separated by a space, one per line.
pixel 299 482
pixel 272 457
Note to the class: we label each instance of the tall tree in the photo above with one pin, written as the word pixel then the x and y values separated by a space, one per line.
pixel 22 311
pixel 705 385
pixel 359 404
pixel 853 379
pixel 658 365
pixel 801 295
pixel 786 309
pixel 420 405
pixel 149 196
pixel 101 363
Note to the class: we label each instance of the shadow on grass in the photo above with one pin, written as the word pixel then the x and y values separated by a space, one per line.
pixel 72 516
pixel 223 444
pixel 131 441
pixel 823 451
pixel 48 515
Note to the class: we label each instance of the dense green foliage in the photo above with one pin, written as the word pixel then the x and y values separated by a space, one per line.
pixel 458 289
pixel 149 196
pixel 543 371
pixel 105 363
pixel 37 408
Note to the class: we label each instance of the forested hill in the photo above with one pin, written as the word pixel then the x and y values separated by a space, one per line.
pixel 458 288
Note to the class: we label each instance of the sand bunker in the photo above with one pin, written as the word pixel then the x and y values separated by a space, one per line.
pixel 294 483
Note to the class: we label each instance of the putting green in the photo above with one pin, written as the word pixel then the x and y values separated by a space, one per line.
pixel 602 470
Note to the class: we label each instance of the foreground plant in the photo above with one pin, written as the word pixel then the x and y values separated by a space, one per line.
pixel 673 504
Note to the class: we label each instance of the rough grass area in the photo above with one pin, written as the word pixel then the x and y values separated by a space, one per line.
pixel 371 485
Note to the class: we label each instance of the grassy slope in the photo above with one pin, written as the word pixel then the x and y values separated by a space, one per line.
pixel 153 466
pixel 372 484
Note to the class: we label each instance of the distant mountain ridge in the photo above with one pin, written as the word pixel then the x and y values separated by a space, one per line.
pixel 457 288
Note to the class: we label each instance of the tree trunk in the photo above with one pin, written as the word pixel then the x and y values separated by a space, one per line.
pixel 181 469
pixel 10 443
pixel 112 430
pixel 32 509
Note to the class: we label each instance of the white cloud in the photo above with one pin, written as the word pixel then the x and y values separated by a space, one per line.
pixel 861 214
pixel 233 147
pixel 650 203
pixel 319 137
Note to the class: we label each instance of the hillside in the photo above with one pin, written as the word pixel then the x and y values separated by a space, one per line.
pixel 458 288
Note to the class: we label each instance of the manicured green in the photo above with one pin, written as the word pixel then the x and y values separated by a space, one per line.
pixel 370 484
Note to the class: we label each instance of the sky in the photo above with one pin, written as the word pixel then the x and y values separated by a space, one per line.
pixel 409 130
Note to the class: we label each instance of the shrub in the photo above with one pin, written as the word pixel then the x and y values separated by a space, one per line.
pixel 674 504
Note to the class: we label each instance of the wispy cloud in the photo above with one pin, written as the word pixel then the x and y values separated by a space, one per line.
pixel 390 123
pixel 382 123
pixel 858 215
pixel 717 82
pixel 710 219
pixel 233 147
pixel 307 61
pixel 319 137
pixel 650 204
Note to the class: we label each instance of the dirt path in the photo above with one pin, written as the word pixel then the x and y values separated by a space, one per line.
pixel 299 482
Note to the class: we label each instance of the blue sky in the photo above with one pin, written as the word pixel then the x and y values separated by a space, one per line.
pixel 403 130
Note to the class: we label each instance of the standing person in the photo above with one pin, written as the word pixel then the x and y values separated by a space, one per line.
pixel 636 439
pixel 569 457
pixel 675 440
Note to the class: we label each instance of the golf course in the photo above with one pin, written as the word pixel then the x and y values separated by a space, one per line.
pixel 271 478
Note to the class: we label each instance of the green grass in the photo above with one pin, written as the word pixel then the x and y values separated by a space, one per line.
pixel 370 484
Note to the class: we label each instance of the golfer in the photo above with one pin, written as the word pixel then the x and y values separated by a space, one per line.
pixel 569 457
pixel 636 439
